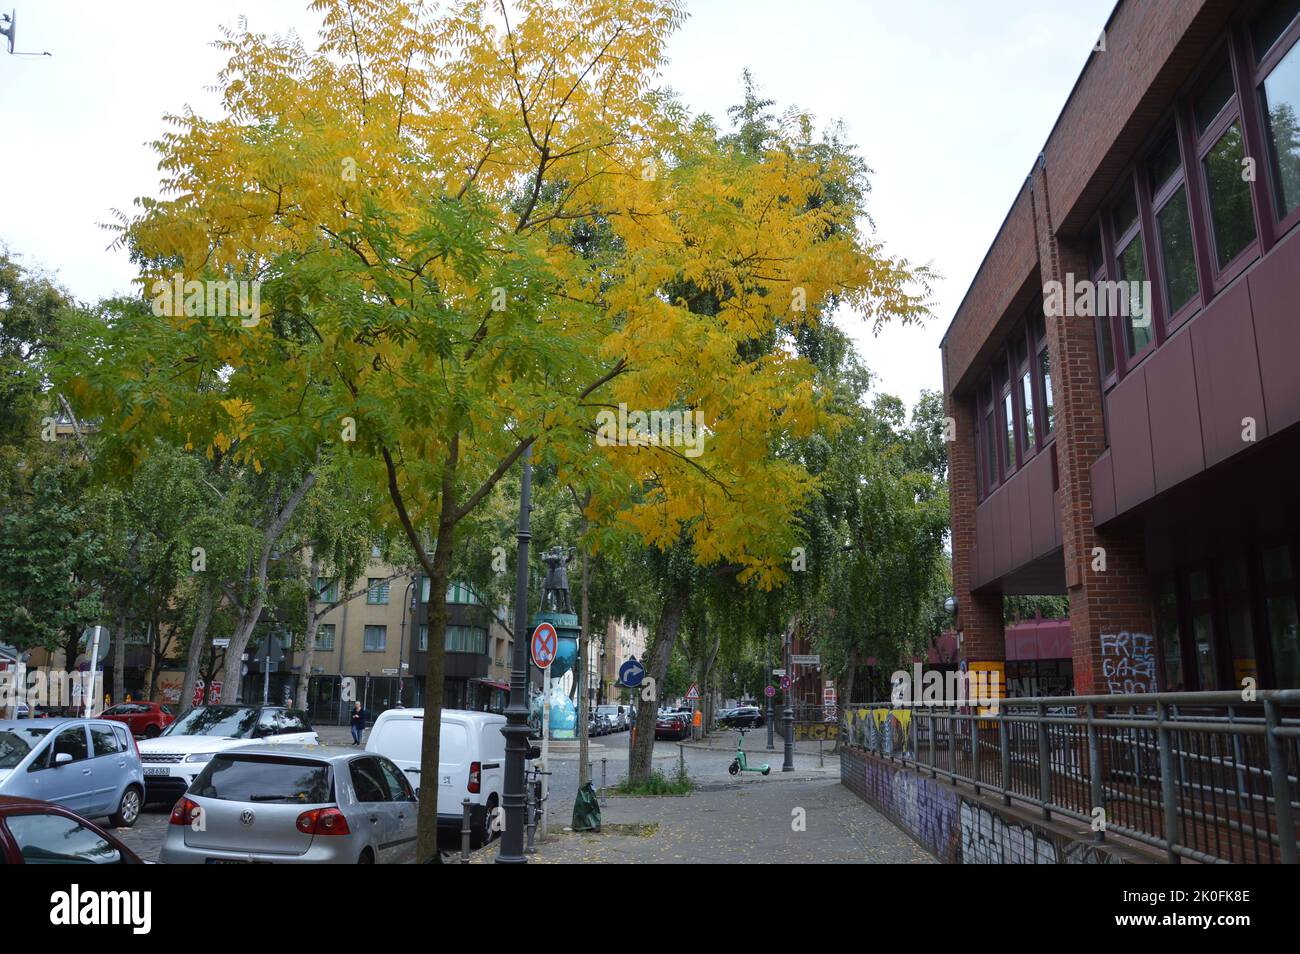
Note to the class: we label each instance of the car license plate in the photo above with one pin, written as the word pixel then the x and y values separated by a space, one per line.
pixel 156 772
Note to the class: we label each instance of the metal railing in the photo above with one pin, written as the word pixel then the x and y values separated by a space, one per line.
pixel 1204 776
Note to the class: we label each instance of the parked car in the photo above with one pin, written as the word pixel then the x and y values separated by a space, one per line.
pixel 742 717
pixel 35 832
pixel 471 762
pixel 174 759
pixel 671 725
pixel 294 803
pixel 88 766
pixel 144 719
pixel 616 715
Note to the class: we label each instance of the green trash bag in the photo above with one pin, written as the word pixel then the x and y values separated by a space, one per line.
pixel 586 810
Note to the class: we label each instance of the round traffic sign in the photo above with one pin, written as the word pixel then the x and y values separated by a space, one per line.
pixel 769 691
pixel 543 645
pixel 631 673
pixel 785 682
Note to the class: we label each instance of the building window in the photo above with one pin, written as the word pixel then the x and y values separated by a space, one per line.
pixel 466 639
pixel 327 591
pixel 1231 216
pixel 1049 400
pixel 1273 39
pixel 461 593
pixel 1009 427
pixel 325 638
pixel 375 639
pixel 377 592
pixel 424 638
pixel 1221 150
pixel 1173 225
pixel 1131 268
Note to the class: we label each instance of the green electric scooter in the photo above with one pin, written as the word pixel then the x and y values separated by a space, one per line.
pixel 741 764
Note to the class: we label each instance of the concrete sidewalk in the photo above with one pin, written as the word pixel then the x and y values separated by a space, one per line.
pixel 790 819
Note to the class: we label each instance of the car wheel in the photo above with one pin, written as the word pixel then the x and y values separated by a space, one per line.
pixel 128 810
pixel 367 857
pixel 152 732
pixel 485 832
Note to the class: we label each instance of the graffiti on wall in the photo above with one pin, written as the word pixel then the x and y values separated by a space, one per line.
pixel 881 730
pixel 922 807
pixel 1128 662
pixel 987 838
pixel 814 731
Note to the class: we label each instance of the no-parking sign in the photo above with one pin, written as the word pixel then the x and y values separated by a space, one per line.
pixel 543 645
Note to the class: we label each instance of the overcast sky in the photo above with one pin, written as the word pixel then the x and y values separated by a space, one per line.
pixel 949 101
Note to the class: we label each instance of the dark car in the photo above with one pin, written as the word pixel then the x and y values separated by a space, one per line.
pixel 744 717
pixel 672 725
pixel 33 832
pixel 143 719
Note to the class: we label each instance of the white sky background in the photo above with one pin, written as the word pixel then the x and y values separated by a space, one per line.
pixel 949 101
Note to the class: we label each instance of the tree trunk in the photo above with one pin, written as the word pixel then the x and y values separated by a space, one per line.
pixel 670 619
pixel 249 616
pixel 706 690
pixel 119 660
pixel 198 643
pixel 309 640
pixel 439 570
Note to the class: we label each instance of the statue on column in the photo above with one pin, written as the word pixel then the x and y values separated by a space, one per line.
pixel 555 590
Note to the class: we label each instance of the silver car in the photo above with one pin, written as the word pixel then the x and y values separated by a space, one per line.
pixel 90 766
pixel 294 803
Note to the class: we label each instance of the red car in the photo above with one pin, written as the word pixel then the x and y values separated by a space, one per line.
pixel 143 719
pixel 33 832
pixel 672 725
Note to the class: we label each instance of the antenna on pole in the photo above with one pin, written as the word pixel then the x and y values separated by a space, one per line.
pixel 10 28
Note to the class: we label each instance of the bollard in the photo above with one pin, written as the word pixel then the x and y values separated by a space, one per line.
pixel 604 799
pixel 464 831
pixel 821 761
pixel 681 760
pixel 530 826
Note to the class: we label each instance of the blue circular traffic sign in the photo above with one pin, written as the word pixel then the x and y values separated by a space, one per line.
pixel 631 673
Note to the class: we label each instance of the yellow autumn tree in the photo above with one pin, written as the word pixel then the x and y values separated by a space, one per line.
pixel 453 235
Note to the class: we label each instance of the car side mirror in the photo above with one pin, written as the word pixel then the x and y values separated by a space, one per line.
pixel 62 758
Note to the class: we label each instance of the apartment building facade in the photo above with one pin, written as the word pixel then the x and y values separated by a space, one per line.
pixel 1122 371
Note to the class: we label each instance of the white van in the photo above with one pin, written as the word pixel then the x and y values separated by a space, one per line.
pixel 471 761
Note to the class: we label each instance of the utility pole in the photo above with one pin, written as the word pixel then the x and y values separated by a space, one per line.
pixel 516 729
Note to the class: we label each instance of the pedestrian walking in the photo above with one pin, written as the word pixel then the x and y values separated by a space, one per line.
pixel 358 723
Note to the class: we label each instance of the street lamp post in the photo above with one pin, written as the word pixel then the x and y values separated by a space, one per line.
pixel 768 703
pixel 787 717
pixel 516 729
pixel 408 602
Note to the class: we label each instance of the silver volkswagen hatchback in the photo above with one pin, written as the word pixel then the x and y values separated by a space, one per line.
pixel 294 803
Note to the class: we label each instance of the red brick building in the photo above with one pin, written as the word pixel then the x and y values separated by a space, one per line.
pixel 1139 451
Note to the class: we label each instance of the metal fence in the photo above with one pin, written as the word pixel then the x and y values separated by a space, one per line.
pixel 1204 776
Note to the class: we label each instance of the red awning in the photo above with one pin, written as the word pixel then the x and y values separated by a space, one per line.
pixel 1039 639
pixel 495 685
